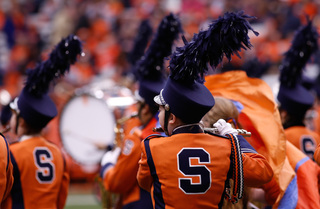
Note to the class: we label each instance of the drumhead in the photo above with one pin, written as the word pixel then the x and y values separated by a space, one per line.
pixel 87 128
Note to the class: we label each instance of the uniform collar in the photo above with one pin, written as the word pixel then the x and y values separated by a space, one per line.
pixel 26 137
pixel 190 128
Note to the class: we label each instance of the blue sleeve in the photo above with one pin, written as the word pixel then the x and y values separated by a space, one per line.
pixel 105 168
pixel 16 191
pixel 245 146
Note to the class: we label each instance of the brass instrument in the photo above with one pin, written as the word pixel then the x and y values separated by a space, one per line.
pixel 241 132
pixel 109 199
pixel 118 129
pixel 157 129
pixel 122 120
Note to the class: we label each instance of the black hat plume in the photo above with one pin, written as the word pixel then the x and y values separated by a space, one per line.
pixel 140 42
pixel 304 44
pixel 225 36
pixel 150 66
pixel 61 57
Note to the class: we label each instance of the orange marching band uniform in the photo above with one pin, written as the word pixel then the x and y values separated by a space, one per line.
pixel 195 171
pixel 126 166
pixel 6 175
pixel 41 182
pixel 304 139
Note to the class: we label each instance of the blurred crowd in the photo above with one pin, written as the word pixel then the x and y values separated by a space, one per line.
pixel 30 28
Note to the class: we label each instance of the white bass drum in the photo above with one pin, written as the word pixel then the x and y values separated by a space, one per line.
pixel 88 120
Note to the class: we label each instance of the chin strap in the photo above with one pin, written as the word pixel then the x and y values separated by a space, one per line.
pixel 17 123
pixel 140 109
pixel 166 119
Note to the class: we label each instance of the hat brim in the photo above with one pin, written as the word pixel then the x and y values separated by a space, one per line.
pixel 159 99
pixel 14 105
pixel 137 97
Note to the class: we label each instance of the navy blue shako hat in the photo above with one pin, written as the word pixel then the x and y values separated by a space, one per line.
pixel 292 95
pixel 185 94
pixel 34 104
pixel 150 69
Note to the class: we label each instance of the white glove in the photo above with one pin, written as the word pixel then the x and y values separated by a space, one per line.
pixel 111 156
pixel 224 128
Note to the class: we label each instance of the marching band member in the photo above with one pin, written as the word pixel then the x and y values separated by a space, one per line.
pixel 5 127
pixel 6 174
pixel 6 179
pixel 307 172
pixel 189 168
pixel 294 99
pixel 41 176
pixel 258 111
pixel 120 164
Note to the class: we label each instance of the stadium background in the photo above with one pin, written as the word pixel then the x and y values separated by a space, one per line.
pixel 30 28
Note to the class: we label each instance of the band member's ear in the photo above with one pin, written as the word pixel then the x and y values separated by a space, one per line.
pixel 172 119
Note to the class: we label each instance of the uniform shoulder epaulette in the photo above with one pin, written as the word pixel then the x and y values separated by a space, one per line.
pixel 214 134
pixel 137 132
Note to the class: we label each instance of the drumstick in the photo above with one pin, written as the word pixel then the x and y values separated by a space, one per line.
pixel 99 146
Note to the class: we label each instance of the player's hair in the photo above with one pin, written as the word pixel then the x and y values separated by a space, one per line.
pixel 223 109
pixel 31 130
pixel 292 119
